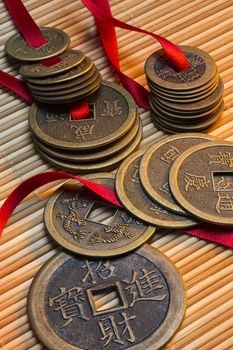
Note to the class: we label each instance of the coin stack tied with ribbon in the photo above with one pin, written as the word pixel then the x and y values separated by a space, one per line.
pixel 99 139
pixel 186 101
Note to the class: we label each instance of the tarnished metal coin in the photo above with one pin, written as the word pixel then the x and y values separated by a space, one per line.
pixel 202 70
pixel 133 197
pixel 68 220
pixel 65 307
pixel 76 72
pixel 104 165
pixel 97 155
pixel 156 164
pixel 69 59
pixel 202 182
pixel 57 43
pixel 113 115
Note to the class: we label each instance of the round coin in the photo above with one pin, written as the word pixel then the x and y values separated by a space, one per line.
pixel 202 70
pixel 156 164
pixel 133 197
pixel 69 59
pixel 202 182
pixel 107 164
pixel 57 43
pixel 76 72
pixel 113 113
pixel 65 314
pixel 97 155
pixel 67 219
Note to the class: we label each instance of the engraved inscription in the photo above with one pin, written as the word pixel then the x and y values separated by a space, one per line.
pixel 195 182
pixel 157 209
pixel 117 332
pixel 223 158
pixel 224 203
pixel 135 177
pixel 222 181
pixel 196 70
pixel 165 188
pixel 129 220
pixel 97 269
pixel 70 304
pixel 111 109
pixel 117 233
pixel 170 155
pixel 83 131
pixel 145 286
pixel 52 116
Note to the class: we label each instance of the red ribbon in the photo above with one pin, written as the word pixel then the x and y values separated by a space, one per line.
pixel 31 184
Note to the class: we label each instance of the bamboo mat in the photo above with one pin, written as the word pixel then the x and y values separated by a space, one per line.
pixel 207 268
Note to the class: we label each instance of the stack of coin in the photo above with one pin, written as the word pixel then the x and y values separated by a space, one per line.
pixel 69 77
pixel 142 182
pixel 186 101
pixel 101 142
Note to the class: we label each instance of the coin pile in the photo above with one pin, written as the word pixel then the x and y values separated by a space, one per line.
pixel 179 181
pixel 71 77
pixel 186 101
pixel 101 142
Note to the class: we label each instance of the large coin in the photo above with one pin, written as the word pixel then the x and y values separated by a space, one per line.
pixel 67 218
pixel 97 155
pixel 156 164
pixel 113 115
pixel 104 165
pixel 133 197
pixel 57 43
pixel 72 74
pixel 69 59
pixel 202 70
pixel 202 182
pixel 65 311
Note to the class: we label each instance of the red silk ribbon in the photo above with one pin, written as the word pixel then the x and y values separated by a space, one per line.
pixel 31 184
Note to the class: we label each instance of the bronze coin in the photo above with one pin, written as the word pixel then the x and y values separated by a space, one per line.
pixel 207 102
pixel 201 71
pixel 69 59
pixel 90 84
pixel 74 73
pixel 183 117
pixel 65 311
pixel 113 115
pixel 69 221
pixel 187 127
pixel 202 181
pixel 133 197
pixel 156 164
pixel 97 155
pixel 57 43
pixel 64 85
pixel 104 165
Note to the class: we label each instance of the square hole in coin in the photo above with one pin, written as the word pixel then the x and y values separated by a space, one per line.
pixel 104 299
pixel 222 181
pixel 92 114
pixel 101 213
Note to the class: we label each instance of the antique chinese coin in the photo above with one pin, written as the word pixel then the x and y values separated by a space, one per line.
pixel 201 71
pixel 57 43
pixel 69 59
pixel 147 302
pixel 201 180
pixel 133 197
pixel 113 113
pixel 156 164
pixel 70 220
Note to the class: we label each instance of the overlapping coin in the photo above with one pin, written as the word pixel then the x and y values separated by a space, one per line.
pixel 68 220
pixel 65 309
pixel 71 79
pixel 201 180
pixel 113 131
pixel 136 201
pixel 178 100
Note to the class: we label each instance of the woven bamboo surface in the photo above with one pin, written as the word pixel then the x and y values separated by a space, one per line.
pixel 207 268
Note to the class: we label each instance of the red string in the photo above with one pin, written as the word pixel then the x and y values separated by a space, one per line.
pixel 16 85
pixel 34 182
